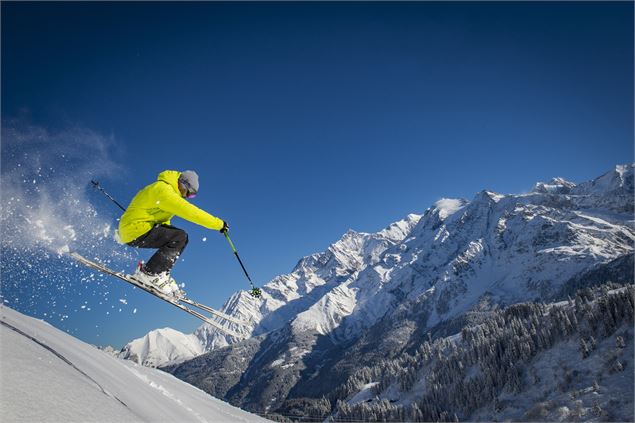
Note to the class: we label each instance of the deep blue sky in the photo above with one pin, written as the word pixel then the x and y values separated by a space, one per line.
pixel 306 119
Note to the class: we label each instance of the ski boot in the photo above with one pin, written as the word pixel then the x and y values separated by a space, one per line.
pixel 177 292
pixel 162 282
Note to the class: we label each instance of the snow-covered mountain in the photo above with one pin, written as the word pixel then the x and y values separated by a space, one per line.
pixel 283 298
pixel 162 346
pixel 491 251
pixel 460 262
pixel 49 376
pixel 528 358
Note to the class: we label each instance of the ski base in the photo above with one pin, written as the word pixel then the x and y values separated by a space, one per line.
pixel 175 301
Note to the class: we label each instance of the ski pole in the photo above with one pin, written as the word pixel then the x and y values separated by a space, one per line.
pixel 255 292
pixel 96 185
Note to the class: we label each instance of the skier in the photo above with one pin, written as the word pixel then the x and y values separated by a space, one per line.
pixel 146 224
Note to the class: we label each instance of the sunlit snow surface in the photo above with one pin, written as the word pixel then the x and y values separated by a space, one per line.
pixel 49 376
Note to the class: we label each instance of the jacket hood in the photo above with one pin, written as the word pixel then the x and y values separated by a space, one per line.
pixel 170 177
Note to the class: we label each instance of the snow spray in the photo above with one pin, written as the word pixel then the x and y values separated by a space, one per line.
pixel 45 213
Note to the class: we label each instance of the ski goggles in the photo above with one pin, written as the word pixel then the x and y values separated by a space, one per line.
pixel 189 191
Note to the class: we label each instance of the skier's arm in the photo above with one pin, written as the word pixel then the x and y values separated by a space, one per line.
pixel 172 202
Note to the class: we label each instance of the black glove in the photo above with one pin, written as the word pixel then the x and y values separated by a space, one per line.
pixel 225 228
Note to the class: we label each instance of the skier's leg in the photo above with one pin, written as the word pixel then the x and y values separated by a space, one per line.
pixel 169 240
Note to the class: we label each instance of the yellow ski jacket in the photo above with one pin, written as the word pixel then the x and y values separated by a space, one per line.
pixel 157 204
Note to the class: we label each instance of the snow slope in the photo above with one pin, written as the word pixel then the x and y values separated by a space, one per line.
pixel 49 376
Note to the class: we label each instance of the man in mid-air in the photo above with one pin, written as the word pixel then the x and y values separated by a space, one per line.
pixel 146 224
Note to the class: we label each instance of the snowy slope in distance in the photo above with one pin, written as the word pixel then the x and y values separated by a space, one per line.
pixel 49 376
pixel 162 346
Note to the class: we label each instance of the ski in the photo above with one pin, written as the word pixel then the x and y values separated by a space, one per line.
pixel 214 311
pixel 174 301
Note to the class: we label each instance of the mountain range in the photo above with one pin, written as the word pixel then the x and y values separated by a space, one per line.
pixel 375 297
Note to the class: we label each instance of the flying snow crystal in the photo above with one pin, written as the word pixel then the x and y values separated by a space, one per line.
pixel 57 211
pixel 204 238
pixel 134 311
pixel 64 249
pixel 123 301
pixel 49 210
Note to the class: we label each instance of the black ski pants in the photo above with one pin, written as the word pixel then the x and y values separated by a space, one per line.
pixel 169 240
